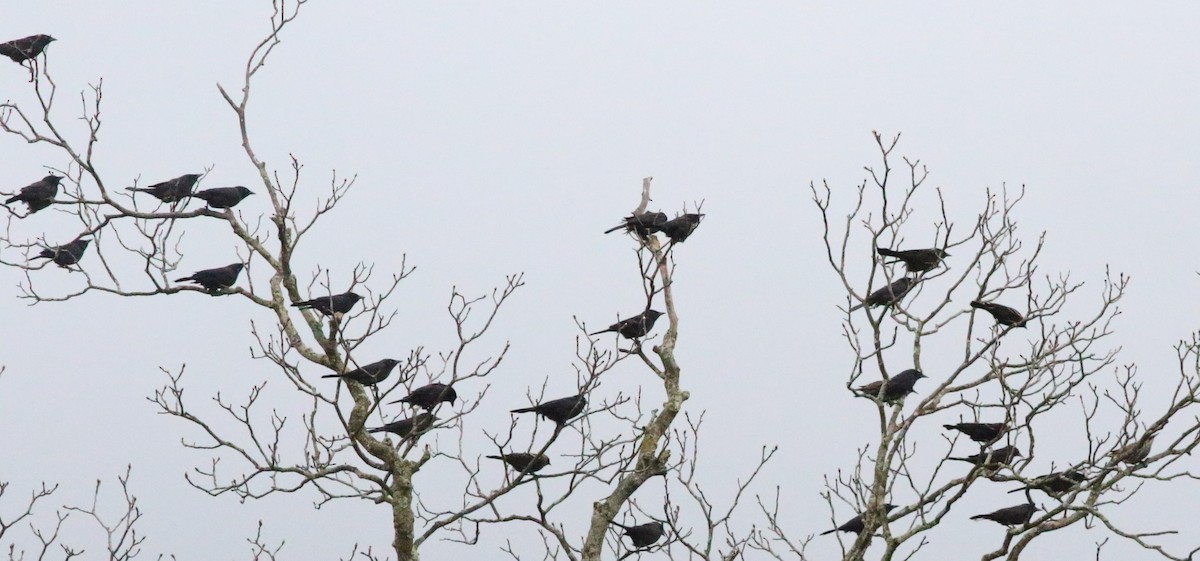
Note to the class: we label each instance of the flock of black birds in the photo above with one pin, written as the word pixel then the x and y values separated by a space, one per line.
pixel 893 390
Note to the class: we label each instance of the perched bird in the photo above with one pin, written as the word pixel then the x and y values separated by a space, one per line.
pixel 407 427
pixel 1003 315
pixel 896 388
pixel 1055 484
pixel 634 327
pixel 855 524
pixel 65 255
pixel 524 462
pixel 370 374
pixel 39 194
pixel 171 191
pixel 427 397
pixel 644 224
pixel 329 305
pixel 642 535
pixel 214 280
pixel 992 459
pixel 21 50
pixel 558 410
pixel 223 197
pixel 1135 452
pixel 916 260
pixel 679 228
pixel 889 294
pixel 1011 516
pixel 980 432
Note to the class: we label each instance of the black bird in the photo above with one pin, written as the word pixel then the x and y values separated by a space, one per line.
pixel 171 191
pixel 679 228
pixel 329 305
pixel 1003 315
pixel 406 427
pixel 1055 484
pixel 223 197
pixel 558 410
pixel 427 397
pixel 634 327
pixel 1135 452
pixel 898 386
pixel 855 524
pixel 522 461
pixel 21 50
pixel 992 459
pixel 889 294
pixel 370 374
pixel 916 260
pixel 1011 516
pixel 980 432
pixel 39 194
pixel 214 280
pixel 642 535
pixel 644 224
pixel 65 255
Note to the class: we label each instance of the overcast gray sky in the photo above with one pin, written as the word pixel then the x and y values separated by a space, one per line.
pixel 490 139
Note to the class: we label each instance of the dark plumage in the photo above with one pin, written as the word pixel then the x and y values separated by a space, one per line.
pixel 370 374
pixel 1011 516
pixel 558 410
pixel 642 535
pixel 525 462
pixel 39 194
pixel 223 197
pixel 1135 452
pixel 21 50
pixel 916 260
pixel 171 191
pixel 855 524
pixel 406 427
pixel 1003 315
pixel 634 327
pixel 1055 484
pixel 215 280
pixel 65 255
pixel 643 224
pixel 992 459
pixel 889 294
pixel 329 305
pixel 679 228
pixel 898 386
pixel 427 397
pixel 980 432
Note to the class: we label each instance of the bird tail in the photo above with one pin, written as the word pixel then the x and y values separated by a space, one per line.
pixel 302 305
pixel 614 229
pixel 619 525
pixel 501 458
pixel 887 252
pixel 599 332
pixel 184 279
pixel 827 532
pixel 376 429
pixel 968 460
pixel 12 199
pixel 139 189
pixel 525 410
pixel 950 427
pixel 980 517
pixel 331 376
pixel 1018 489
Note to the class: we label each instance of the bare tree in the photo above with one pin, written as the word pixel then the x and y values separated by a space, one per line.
pixel 326 445
pixel 1034 377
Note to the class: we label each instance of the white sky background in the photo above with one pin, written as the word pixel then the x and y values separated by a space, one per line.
pixel 491 139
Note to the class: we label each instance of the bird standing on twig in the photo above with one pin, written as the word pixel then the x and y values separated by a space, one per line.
pixel 1011 516
pixel 889 294
pixel 172 190
pixel 1135 452
pixel 642 535
pixel 679 228
pixel 427 397
pixel 992 459
pixel 405 428
pixel 643 224
pixel 523 461
pixel 39 194
pixel 223 197
pixel 1003 315
pixel 895 388
pixel 330 305
pixel 1055 484
pixel 856 524
pixel 916 260
pixel 26 49
pixel 558 410
pixel 370 374
pixel 65 255
pixel 980 432
pixel 634 327
pixel 216 280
